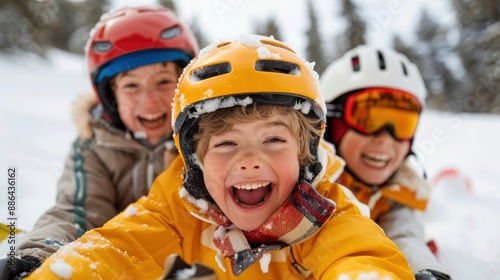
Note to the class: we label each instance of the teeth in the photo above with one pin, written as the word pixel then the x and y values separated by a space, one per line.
pixel 151 116
pixel 377 157
pixel 376 160
pixel 251 186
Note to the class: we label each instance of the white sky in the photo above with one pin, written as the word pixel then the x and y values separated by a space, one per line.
pixel 224 18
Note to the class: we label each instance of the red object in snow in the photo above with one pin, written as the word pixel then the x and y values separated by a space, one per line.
pixel 433 246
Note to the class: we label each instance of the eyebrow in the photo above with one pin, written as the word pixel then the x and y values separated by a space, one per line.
pixel 278 123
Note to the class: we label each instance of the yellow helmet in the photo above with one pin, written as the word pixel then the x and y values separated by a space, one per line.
pixel 239 72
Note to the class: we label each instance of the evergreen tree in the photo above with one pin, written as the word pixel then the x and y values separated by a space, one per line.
pixel 354 33
pixel 24 25
pixel 314 49
pixel 479 29
pixel 19 36
pixel 430 53
pixel 169 4
pixel 35 25
pixel 356 27
pixel 270 28
pixel 74 21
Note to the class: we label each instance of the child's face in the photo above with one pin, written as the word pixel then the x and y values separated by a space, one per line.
pixel 251 170
pixel 144 96
pixel 373 158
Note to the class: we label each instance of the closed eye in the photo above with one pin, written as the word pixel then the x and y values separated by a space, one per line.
pixel 224 144
pixel 165 82
pixel 275 140
pixel 131 86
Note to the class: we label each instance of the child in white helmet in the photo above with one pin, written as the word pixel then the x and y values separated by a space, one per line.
pixel 374 98
pixel 135 56
pixel 248 117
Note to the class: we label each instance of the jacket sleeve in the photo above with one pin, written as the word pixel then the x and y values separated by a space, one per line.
pixel 132 245
pixel 85 200
pixel 402 226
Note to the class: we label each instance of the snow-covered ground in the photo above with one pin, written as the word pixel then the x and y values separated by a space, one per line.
pixel 460 153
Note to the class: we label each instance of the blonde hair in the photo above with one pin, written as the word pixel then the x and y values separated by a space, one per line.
pixel 303 128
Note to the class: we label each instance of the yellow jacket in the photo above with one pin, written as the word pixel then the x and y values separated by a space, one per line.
pixel 135 244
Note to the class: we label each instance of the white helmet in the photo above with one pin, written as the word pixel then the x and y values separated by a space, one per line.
pixel 367 66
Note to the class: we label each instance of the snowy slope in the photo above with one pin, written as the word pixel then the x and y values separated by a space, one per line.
pixel 37 133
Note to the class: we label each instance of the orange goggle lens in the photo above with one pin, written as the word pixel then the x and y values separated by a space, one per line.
pixel 371 110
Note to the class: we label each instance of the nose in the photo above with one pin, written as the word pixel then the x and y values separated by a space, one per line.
pixel 249 161
pixel 383 137
pixel 150 95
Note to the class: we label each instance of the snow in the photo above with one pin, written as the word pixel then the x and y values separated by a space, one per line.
pixel 201 204
pixel 220 233
pixel 186 273
pixel 61 269
pixel 264 263
pixel 131 211
pixel 37 134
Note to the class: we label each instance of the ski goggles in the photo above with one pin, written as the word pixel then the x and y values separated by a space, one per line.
pixel 372 110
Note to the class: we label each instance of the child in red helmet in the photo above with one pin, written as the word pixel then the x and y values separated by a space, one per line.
pixel 135 56
pixel 374 99
pixel 238 202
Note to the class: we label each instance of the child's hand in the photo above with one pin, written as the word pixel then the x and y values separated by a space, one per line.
pixel 428 274
pixel 13 268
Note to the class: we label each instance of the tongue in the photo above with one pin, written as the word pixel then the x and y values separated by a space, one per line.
pixel 251 197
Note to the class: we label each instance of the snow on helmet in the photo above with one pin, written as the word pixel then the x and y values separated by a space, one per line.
pixel 368 66
pixel 133 37
pixel 239 72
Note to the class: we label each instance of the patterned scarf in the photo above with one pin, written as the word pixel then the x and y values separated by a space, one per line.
pixel 300 217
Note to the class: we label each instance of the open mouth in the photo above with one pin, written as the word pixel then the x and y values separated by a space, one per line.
pixel 251 195
pixel 374 160
pixel 152 121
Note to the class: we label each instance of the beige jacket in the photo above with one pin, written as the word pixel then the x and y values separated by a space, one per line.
pixel 106 170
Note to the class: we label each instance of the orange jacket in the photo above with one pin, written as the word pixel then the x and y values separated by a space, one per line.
pixel 135 244
pixel 411 192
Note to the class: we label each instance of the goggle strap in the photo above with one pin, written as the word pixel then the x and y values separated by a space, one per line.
pixel 334 110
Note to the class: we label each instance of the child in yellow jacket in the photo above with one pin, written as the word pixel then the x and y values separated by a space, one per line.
pixel 374 98
pixel 248 119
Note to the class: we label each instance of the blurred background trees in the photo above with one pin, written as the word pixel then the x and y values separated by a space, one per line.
pixel 461 67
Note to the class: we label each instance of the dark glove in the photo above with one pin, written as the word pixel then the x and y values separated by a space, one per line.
pixel 428 274
pixel 11 268
pixel 176 268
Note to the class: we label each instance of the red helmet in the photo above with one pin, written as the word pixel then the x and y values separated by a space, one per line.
pixel 133 37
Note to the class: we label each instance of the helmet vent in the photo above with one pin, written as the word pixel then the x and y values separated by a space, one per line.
pixel 355 63
pixel 171 32
pixel 381 60
pixel 404 69
pixel 275 44
pixel 277 66
pixel 210 71
pixel 102 47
